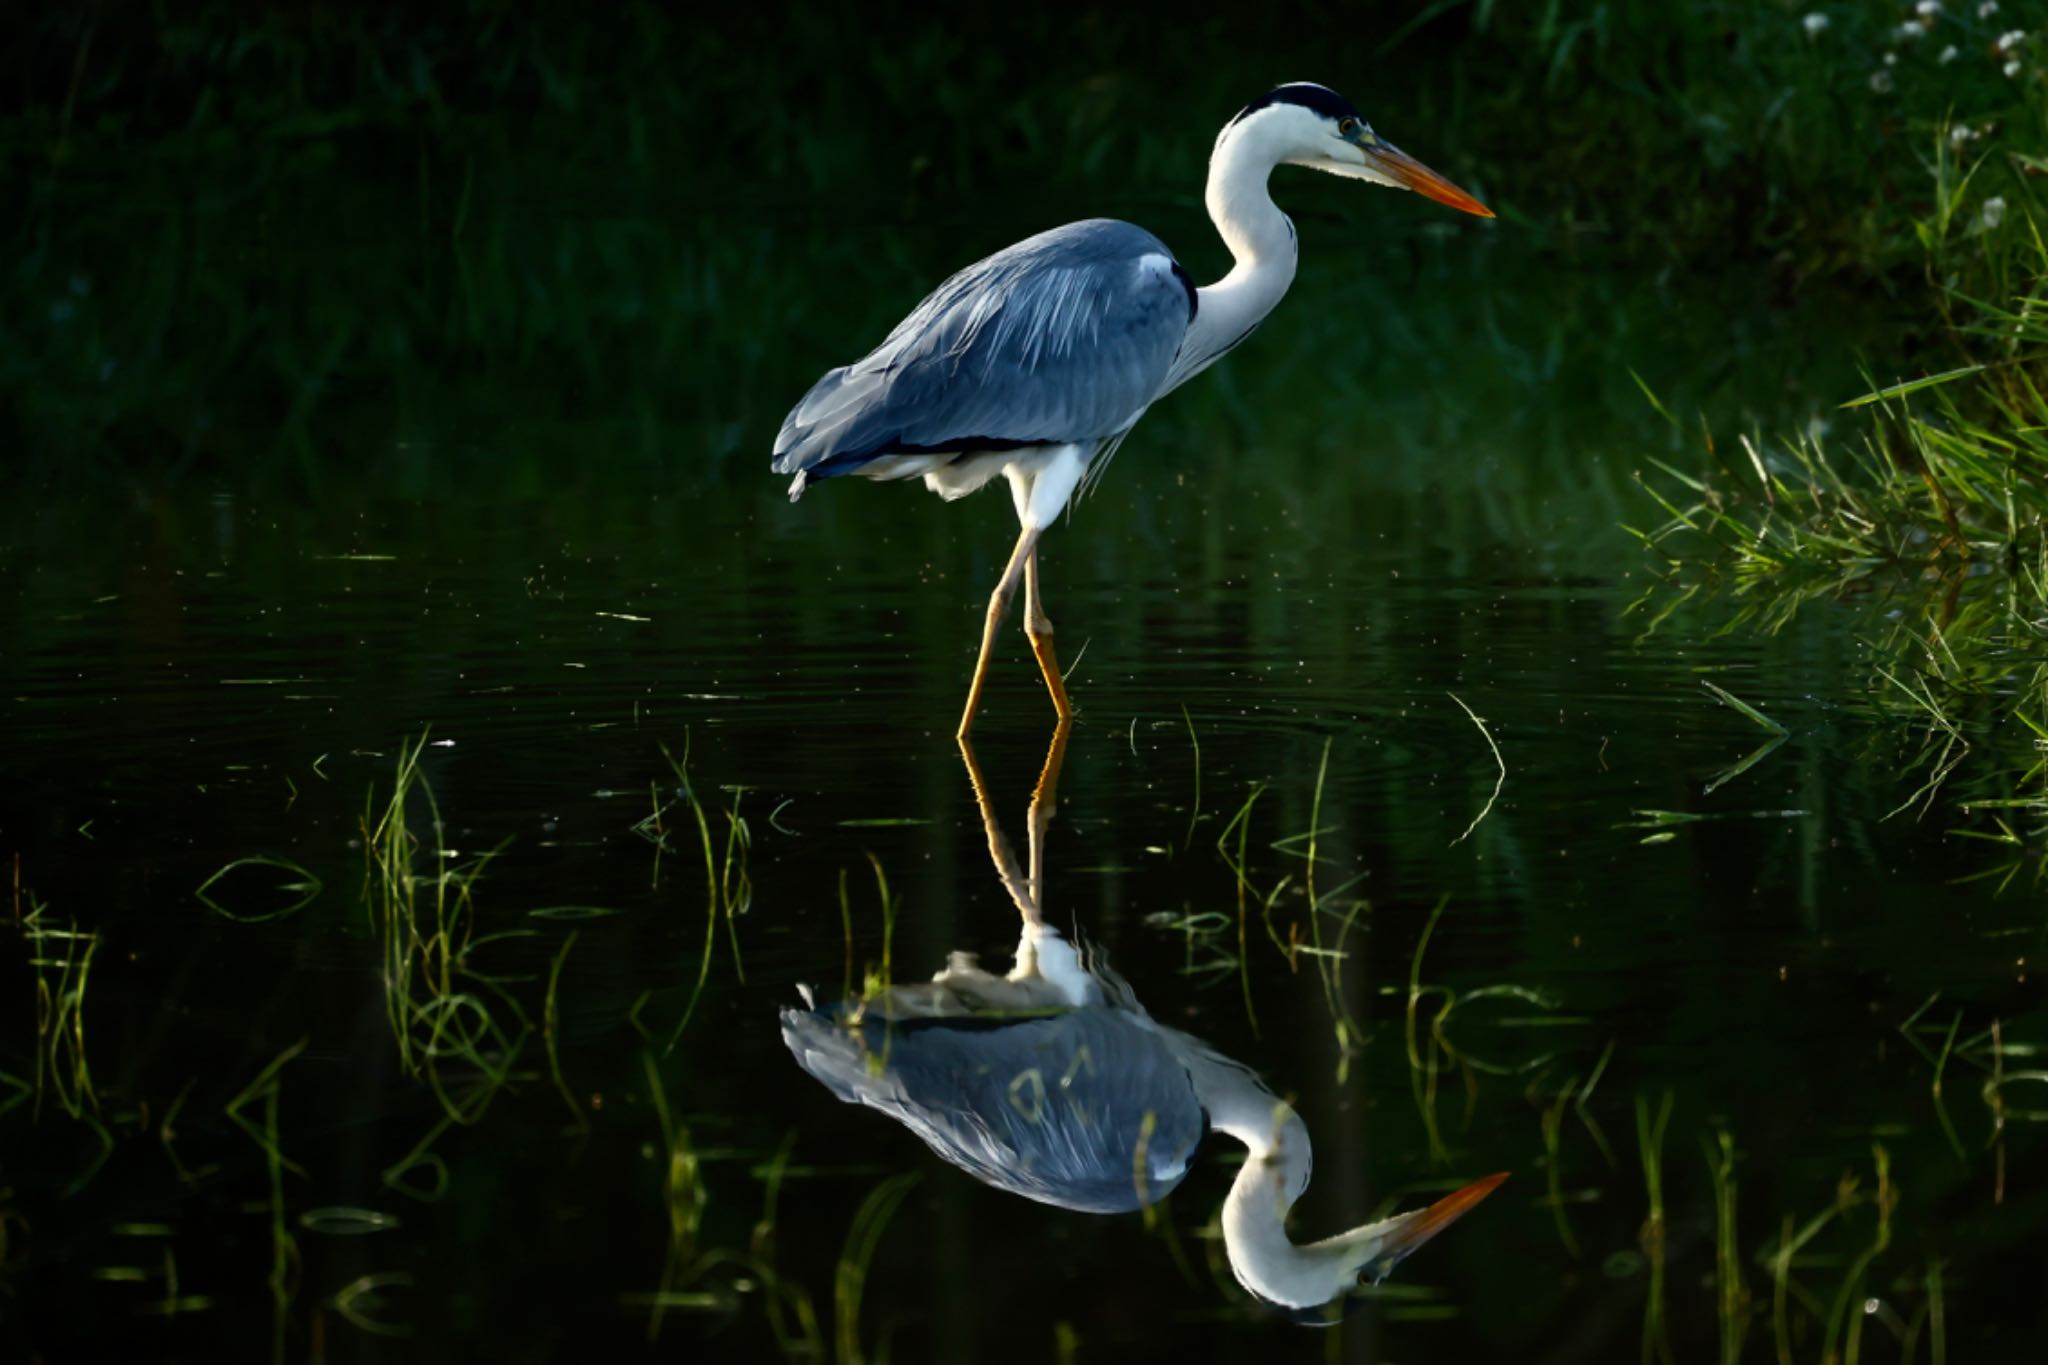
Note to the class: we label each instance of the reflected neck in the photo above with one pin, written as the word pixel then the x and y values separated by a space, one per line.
pixel 1275 1171
pixel 1261 242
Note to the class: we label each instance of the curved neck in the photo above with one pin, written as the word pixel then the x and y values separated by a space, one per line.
pixel 1261 241
pixel 1275 1172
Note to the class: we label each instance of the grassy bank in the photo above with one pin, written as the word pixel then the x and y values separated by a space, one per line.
pixel 1924 499
pixel 245 241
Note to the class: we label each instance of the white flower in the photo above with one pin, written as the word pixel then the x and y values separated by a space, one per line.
pixel 1993 212
pixel 1987 9
pixel 1927 9
pixel 1881 81
pixel 1959 135
pixel 1908 32
pixel 1948 54
pixel 1815 22
pixel 2008 41
pixel 1891 59
pixel 2012 68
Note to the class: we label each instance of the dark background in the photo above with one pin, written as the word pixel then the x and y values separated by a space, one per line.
pixel 367 377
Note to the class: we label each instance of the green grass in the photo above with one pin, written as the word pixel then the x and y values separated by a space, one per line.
pixel 1922 504
pixel 457 1027
pixel 61 953
pixel 728 885
pixel 683 1198
pixel 1656 1341
pixel 289 897
pixel 266 1090
pixel 267 242
pixel 849 1280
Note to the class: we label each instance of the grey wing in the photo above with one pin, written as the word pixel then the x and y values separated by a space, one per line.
pixel 1064 337
pixel 1088 1109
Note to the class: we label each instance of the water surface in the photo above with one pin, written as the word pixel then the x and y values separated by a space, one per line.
pixel 1698 1012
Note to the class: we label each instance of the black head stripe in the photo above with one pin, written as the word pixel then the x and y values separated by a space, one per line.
pixel 1319 98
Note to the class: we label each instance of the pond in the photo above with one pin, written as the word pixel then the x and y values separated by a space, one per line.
pixel 410 867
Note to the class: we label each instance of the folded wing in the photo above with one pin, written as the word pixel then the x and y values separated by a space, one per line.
pixel 1062 338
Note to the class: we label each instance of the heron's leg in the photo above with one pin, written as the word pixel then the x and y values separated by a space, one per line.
pixel 1039 628
pixel 998 608
pixel 1045 801
pixel 999 851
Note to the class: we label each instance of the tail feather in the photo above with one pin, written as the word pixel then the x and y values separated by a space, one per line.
pixel 818 427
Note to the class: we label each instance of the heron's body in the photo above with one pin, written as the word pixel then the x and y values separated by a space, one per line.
pixel 1060 341
pixel 1035 362
pixel 1062 1095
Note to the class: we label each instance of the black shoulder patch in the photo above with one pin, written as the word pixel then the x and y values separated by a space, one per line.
pixel 1319 98
pixel 1187 282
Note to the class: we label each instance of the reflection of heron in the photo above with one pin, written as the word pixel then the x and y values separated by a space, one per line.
pixel 1054 1083
pixel 1037 361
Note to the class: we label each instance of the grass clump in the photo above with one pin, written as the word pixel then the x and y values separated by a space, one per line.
pixel 1924 501
pixel 728 885
pixel 456 1028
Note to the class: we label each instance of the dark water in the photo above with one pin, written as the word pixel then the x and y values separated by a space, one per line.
pixel 1731 1005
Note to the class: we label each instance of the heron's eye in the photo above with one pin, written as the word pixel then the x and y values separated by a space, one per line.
pixel 1348 127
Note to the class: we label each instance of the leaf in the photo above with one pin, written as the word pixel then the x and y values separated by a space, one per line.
pixel 1913 386
pixel 308 886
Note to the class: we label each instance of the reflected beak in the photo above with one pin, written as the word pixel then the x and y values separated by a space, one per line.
pixel 1409 173
pixel 1418 1227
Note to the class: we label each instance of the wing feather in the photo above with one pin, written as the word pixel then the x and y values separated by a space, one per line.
pixel 1062 338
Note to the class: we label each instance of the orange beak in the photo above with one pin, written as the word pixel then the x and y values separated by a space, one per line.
pixel 1423 1224
pixel 1409 173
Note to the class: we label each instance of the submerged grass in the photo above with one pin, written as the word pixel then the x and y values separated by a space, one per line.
pixel 456 1027
pixel 1431 1051
pixel 297 894
pixel 61 954
pixel 550 1034
pixel 1731 1292
pixel 683 1197
pixel 1501 763
pixel 792 1315
pixel 265 1090
pixel 728 884
pixel 849 1281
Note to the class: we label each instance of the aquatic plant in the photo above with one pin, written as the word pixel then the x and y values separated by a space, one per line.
pixel 456 1026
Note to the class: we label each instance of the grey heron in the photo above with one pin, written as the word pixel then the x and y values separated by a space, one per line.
pixel 1034 363
pixel 1052 1082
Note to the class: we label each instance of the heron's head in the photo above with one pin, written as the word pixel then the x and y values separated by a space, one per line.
pixel 1303 124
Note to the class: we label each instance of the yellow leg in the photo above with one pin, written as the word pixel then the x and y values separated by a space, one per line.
pixel 999 851
pixel 998 608
pixel 1039 628
pixel 1027 890
pixel 1044 801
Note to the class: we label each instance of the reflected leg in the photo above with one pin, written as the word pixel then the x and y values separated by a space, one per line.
pixel 1039 628
pixel 999 850
pixel 998 608
pixel 1044 801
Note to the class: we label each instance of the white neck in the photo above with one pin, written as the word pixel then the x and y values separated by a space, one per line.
pixel 1276 1170
pixel 1259 236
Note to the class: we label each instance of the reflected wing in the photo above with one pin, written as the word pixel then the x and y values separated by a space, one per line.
pixel 1088 1110
pixel 1064 337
